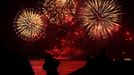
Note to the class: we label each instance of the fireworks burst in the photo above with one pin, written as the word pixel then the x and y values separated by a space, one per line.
pixel 29 25
pixel 59 11
pixel 100 18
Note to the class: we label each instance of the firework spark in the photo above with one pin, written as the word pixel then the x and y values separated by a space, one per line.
pixel 29 25
pixel 58 11
pixel 100 18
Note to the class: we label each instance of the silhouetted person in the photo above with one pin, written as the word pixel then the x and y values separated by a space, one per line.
pixel 14 62
pixel 16 65
pixel 103 56
pixel 89 66
pixel 103 63
pixel 87 69
pixel 23 65
pixel 51 65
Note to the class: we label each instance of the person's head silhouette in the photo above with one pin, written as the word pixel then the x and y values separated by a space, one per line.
pixel 47 56
pixel 102 52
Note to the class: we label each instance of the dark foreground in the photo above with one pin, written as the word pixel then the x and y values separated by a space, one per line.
pixel 66 66
pixel 75 66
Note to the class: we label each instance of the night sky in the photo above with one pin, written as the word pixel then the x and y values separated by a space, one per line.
pixel 13 44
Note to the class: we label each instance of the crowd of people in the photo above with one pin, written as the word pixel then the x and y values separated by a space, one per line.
pixel 101 65
pixel 104 65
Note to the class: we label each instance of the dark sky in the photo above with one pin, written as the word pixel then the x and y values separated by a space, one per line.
pixel 11 7
pixel 128 10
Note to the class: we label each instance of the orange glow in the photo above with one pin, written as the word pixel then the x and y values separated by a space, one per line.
pixel 68 18
pixel 61 3
pixel 130 38
pixel 127 33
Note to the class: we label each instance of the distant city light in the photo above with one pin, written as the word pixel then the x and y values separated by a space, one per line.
pixel 127 59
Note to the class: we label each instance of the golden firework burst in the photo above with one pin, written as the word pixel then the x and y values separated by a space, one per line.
pixel 100 18
pixel 29 25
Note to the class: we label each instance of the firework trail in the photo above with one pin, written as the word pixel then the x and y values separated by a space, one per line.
pixel 59 11
pixel 100 18
pixel 29 25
